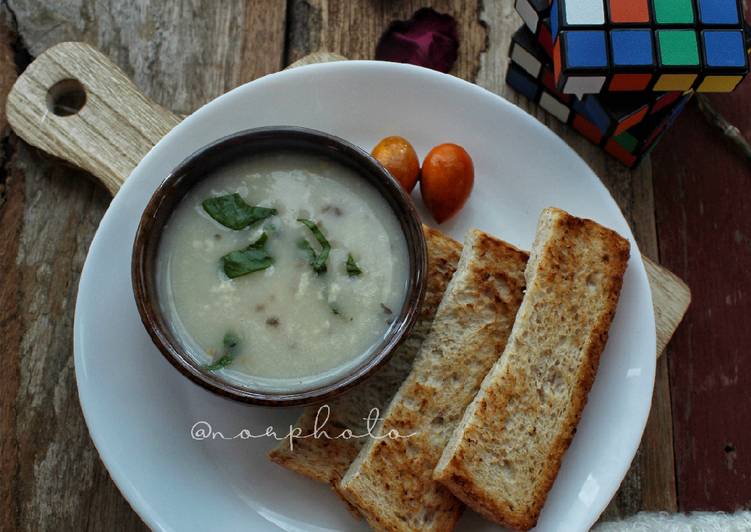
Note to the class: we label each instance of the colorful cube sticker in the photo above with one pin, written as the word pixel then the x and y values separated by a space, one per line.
pixel 678 48
pixel 526 53
pixel 554 106
pixel 659 45
pixel 726 59
pixel 632 48
pixel 719 12
pixel 583 56
pixel 532 12
pixel 724 49
pixel 619 152
pixel 629 82
pixel 627 141
pixel 627 12
pixel 583 12
pixel 678 59
pixel 674 11
pixel 585 49
pixel 663 100
pixel 522 82
pixel 587 129
pixel 545 37
pixel 523 58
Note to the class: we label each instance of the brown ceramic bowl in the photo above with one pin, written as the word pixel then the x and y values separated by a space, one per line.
pixel 243 144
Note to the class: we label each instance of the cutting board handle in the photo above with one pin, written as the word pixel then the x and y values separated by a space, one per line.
pixel 74 103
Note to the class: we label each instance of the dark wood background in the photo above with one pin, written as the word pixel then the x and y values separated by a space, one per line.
pixel 690 207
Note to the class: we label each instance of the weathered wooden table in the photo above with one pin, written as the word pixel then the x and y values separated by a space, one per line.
pixel 688 207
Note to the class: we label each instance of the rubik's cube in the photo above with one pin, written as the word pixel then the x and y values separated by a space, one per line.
pixel 627 126
pixel 611 113
pixel 638 45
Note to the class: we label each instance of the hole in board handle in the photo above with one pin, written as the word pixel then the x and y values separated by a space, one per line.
pixel 66 97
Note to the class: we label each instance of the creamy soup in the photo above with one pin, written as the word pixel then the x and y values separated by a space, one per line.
pixel 289 294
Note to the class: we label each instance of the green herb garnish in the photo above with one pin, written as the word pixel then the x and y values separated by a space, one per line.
pixel 353 270
pixel 231 211
pixel 316 260
pixel 229 343
pixel 247 260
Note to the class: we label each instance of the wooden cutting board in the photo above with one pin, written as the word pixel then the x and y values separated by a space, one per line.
pixel 74 103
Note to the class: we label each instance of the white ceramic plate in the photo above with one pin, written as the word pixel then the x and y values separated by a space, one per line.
pixel 140 410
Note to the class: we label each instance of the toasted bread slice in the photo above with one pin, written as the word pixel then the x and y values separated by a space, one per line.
pixel 391 481
pixel 327 459
pixel 505 454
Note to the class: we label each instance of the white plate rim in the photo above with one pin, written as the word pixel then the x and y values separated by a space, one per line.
pixel 119 474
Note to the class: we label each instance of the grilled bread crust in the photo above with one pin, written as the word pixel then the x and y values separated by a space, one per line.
pixel 503 457
pixel 391 482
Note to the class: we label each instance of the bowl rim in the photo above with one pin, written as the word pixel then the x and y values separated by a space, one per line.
pixel 149 231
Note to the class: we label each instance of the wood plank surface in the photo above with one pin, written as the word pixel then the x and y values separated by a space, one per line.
pixel 704 228
pixel 11 213
pixel 352 28
pixel 181 54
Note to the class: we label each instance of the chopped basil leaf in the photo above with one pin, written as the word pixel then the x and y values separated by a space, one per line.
pixel 230 342
pixel 353 270
pixel 231 211
pixel 247 260
pixel 307 250
pixel 261 242
pixel 222 363
pixel 316 260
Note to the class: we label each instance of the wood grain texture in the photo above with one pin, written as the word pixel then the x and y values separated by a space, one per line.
pixel 352 28
pixel 705 237
pixel 11 211
pixel 671 299
pixel 317 57
pixel 181 54
pixel 87 138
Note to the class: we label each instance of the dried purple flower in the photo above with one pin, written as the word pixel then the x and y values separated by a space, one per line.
pixel 428 39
